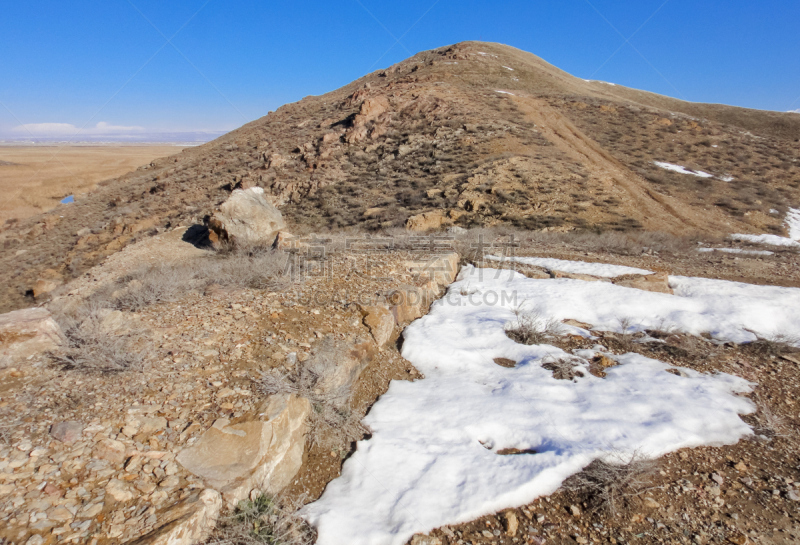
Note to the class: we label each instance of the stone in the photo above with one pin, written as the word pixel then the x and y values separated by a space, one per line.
pixel 25 333
pixel 421 539
pixel 92 510
pixel 380 322
pixel 246 219
pixel 658 282
pixel 110 450
pixel 512 523
pixel 578 276
pixel 60 514
pixel 119 490
pixel 43 287
pixel 67 432
pixel 276 160
pixel 428 221
pixel 188 522
pixel 349 358
pixel 264 454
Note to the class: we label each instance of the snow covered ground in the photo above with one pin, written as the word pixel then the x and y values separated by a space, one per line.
pixel 772 240
pixel 736 251
pixel 605 270
pixel 682 170
pixel 435 454
pixel 793 223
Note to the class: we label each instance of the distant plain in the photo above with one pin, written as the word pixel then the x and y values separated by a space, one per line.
pixel 34 178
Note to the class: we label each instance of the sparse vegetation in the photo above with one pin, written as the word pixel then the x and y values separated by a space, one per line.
pixel 258 268
pixel 263 520
pixel 94 343
pixel 532 327
pixel 332 423
pixel 610 483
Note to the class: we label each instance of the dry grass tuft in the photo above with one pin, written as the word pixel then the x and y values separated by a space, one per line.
pixel 92 345
pixel 263 520
pixel 608 484
pixel 532 327
pixel 563 368
pixel 332 423
pixel 768 423
pixel 257 268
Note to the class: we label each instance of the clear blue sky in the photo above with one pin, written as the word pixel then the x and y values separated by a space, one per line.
pixel 87 62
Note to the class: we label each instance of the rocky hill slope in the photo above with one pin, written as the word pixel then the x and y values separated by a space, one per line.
pixel 470 134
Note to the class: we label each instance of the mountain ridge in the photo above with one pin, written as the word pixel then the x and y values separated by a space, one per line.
pixel 472 134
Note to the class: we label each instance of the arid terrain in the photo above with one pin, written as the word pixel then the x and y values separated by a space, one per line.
pixel 33 179
pixel 228 344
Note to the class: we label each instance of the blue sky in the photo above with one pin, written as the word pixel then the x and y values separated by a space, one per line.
pixel 69 66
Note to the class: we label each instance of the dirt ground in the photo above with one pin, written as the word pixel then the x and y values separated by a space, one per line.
pixel 33 179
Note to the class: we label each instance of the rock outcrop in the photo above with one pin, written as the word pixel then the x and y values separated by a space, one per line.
pixel 246 219
pixel 25 333
pixel 411 301
pixel 658 282
pixel 189 522
pixel 380 322
pixel 428 221
pixel 263 454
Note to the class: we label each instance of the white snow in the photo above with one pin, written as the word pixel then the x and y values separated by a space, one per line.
pixel 726 178
pixel 793 223
pixel 605 270
pixel 772 240
pixel 736 251
pixel 508 68
pixel 682 170
pixel 504 92
pixel 433 457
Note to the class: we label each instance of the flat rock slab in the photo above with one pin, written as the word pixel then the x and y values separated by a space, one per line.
pixel 27 332
pixel 262 454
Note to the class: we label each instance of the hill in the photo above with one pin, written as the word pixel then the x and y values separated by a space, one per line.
pixel 470 134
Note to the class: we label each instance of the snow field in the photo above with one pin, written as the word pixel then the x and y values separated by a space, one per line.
pixel 433 458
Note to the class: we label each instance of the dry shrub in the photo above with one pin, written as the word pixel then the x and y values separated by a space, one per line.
pixel 91 344
pixel 774 346
pixel 608 484
pixel 532 327
pixel 768 423
pixel 263 520
pixel 332 423
pixel 257 268
pixel 563 368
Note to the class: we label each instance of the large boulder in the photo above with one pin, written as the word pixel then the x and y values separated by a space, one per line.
pixel 246 219
pixel 263 454
pixel 25 333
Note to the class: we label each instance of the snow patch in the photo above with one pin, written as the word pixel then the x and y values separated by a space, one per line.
pixel 434 455
pixel 504 92
pixel 772 240
pixel 605 270
pixel 726 178
pixel 736 251
pixel 508 68
pixel 793 223
pixel 682 170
